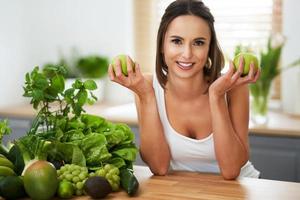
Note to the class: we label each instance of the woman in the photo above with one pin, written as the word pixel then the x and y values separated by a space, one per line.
pixel 190 116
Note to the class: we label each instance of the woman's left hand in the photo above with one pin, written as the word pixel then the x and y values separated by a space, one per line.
pixel 232 78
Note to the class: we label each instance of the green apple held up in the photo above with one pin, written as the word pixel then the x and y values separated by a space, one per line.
pixel 248 58
pixel 123 62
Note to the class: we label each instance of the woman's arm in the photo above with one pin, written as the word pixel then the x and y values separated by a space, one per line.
pixel 154 149
pixel 230 127
pixel 153 146
pixel 230 119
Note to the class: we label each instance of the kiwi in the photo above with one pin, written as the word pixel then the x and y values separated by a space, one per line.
pixel 97 187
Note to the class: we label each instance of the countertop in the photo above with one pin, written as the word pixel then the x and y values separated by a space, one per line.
pixel 279 124
pixel 190 185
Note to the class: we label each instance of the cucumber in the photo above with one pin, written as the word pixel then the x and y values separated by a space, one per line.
pixel 6 171
pixel 12 187
pixel 129 182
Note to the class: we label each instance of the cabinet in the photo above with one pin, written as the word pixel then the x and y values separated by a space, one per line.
pixel 19 127
pixel 276 157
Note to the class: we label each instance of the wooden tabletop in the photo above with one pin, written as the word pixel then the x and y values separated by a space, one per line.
pixel 279 124
pixel 188 185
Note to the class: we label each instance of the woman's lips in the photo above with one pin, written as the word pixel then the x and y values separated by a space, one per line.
pixel 185 65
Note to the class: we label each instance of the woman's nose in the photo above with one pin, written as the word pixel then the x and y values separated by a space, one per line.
pixel 187 52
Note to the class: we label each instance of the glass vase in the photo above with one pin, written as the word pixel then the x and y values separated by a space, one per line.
pixel 259 109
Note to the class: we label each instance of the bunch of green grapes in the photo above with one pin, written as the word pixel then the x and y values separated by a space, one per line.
pixel 111 173
pixel 74 174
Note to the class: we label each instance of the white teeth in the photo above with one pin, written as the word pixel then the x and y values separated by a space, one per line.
pixel 185 64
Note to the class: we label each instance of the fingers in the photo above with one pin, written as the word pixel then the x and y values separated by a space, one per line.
pixel 241 65
pixel 257 75
pixel 129 66
pixel 236 75
pixel 111 73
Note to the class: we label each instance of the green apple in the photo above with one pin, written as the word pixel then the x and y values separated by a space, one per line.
pixel 123 61
pixel 248 58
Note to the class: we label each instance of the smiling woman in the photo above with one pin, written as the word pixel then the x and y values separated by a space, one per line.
pixel 213 134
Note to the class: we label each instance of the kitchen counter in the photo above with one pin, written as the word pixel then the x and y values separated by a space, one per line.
pixel 279 124
pixel 188 185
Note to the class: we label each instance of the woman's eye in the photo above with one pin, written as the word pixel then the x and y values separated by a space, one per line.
pixel 199 43
pixel 176 41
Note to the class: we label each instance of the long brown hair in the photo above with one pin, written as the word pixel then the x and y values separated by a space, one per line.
pixel 196 8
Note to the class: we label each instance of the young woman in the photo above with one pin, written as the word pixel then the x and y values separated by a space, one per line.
pixel 190 116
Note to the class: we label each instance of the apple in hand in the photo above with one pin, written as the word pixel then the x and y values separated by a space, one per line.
pixel 123 62
pixel 248 58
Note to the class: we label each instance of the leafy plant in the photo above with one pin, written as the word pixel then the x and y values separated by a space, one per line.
pixel 92 66
pixel 270 69
pixel 4 130
pixel 61 132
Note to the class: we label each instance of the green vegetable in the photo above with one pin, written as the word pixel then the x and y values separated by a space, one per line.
pixel 12 187
pixel 4 130
pixel 129 182
pixel 62 132
pixel 40 180
pixel 65 189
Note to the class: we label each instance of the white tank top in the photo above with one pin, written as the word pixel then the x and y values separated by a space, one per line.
pixel 191 154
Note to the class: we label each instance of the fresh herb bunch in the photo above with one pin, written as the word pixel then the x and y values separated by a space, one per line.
pixel 47 89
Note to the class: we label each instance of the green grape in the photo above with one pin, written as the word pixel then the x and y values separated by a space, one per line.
pixel 111 173
pixel 69 177
pixel 115 171
pixel 79 185
pixel 75 174
pixel 101 172
pixel 75 179
pixel 83 175
pixel 115 178
pixel 92 174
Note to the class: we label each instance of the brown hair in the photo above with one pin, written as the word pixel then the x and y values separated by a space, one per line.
pixel 196 8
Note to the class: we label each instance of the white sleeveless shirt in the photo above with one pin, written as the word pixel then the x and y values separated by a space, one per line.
pixel 191 154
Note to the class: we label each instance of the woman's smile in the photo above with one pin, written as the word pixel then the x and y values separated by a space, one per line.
pixel 185 65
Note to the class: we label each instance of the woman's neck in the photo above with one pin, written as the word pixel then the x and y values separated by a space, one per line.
pixel 187 89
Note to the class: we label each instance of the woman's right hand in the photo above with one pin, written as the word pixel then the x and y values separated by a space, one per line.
pixel 135 80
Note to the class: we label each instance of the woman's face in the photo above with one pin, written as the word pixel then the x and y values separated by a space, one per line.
pixel 186 46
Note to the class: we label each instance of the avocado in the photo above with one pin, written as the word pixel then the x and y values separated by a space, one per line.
pixel 97 187
pixel 12 187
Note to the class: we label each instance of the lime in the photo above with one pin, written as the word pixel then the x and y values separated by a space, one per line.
pixel 65 189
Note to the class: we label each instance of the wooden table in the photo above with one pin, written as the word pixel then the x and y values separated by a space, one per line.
pixel 187 185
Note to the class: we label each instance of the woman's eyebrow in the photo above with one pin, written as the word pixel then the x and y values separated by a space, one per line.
pixel 178 37
pixel 200 38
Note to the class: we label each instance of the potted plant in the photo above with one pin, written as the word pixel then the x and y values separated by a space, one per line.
pixel 270 68
pixel 86 67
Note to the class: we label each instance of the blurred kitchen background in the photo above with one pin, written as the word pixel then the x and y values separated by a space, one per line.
pixel 36 33
pixel 33 33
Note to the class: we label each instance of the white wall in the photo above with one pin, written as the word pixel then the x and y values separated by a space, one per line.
pixel 291 78
pixel 33 32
